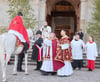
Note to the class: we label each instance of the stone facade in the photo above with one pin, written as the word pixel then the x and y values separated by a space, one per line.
pixel 4 18
pixel 42 8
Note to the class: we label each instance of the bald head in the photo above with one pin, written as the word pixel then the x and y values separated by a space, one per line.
pixel 45 23
pixel 52 35
pixel 77 37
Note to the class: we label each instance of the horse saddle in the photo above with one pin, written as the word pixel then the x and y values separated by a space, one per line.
pixel 19 46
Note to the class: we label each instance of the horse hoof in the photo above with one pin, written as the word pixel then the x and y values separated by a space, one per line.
pixel 26 73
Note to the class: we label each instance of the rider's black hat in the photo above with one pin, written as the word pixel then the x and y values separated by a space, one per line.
pixel 39 32
pixel 20 14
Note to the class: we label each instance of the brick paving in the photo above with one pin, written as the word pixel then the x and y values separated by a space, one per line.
pixel 35 76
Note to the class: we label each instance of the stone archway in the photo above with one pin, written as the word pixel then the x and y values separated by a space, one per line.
pixel 62 14
pixel 45 8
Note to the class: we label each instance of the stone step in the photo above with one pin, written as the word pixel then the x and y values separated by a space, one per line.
pixel 96 66
pixel 31 62
pixel 96 63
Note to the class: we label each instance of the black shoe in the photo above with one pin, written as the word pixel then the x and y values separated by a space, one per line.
pixel 45 73
pixel 36 69
pixel 9 63
pixel 79 68
pixel 89 69
pixel 74 68
pixel 54 73
pixel 61 75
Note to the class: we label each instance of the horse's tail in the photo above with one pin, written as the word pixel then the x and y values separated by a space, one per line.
pixel 2 49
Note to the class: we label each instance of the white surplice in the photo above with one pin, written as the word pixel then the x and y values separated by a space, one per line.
pixel 77 49
pixel 91 51
pixel 47 65
pixel 66 70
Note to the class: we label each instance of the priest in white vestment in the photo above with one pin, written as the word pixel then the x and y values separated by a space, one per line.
pixel 50 65
pixel 46 30
pixel 77 46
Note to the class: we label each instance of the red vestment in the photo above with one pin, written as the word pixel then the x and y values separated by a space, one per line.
pixel 64 55
pixel 56 64
pixel 17 25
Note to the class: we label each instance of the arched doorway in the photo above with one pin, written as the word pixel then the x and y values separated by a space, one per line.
pixel 62 15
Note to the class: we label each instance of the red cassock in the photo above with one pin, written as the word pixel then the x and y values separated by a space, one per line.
pixel 17 25
pixel 91 64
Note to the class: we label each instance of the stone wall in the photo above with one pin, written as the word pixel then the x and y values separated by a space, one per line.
pixel 35 5
pixel 4 18
pixel 39 11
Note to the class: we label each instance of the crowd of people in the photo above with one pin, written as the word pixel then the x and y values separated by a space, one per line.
pixel 53 55
pixel 62 56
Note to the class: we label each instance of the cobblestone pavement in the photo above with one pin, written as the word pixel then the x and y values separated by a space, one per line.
pixel 35 76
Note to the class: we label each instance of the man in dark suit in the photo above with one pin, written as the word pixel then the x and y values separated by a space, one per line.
pixel 81 34
pixel 37 50
pixel 19 64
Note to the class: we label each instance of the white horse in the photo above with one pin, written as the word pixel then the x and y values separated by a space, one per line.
pixel 8 47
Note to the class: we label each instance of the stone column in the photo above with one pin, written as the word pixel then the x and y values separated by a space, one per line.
pixel 83 17
pixel 42 13
pixel 82 14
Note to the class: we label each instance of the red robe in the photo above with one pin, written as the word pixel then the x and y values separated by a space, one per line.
pixel 17 25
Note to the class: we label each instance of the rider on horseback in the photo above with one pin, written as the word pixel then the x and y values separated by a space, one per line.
pixel 18 29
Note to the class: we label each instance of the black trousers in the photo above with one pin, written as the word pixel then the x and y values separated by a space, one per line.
pixel 20 60
pixel 39 64
pixel 77 63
